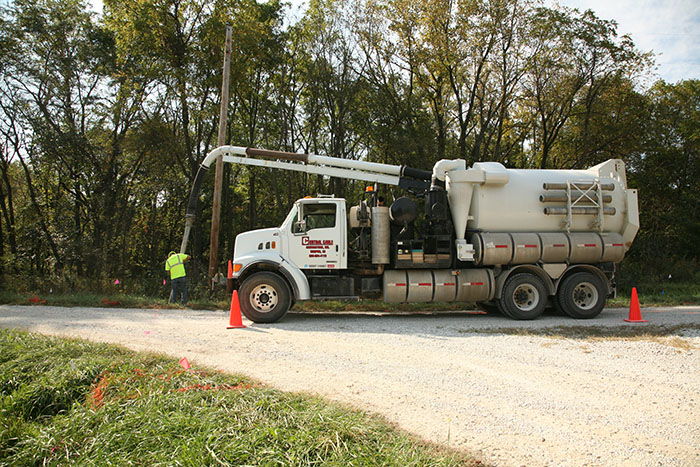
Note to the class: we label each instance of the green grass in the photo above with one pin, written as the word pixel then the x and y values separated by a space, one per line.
pixel 647 332
pixel 650 294
pixel 66 401
pixel 660 294
pixel 87 299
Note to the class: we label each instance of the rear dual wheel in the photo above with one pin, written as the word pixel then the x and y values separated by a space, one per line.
pixel 524 297
pixel 582 295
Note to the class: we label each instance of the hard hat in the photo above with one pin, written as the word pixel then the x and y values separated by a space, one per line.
pixel 171 253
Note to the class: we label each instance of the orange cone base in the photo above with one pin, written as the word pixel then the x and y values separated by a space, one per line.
pixel 236 327
pixel 636 320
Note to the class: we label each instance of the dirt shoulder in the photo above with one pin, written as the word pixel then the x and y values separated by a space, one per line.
pixel 554 391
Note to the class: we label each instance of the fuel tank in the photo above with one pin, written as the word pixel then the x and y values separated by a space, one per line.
pixel 438 285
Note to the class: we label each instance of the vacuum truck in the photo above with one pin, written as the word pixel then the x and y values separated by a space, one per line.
pixel 510 240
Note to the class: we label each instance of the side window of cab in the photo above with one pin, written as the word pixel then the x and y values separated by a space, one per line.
pixel 315 216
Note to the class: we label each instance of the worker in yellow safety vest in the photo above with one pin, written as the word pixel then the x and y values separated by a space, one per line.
pixel 175 264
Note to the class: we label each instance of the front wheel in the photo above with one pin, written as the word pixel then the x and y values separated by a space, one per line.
pixel 265 297
pixel 524 296
pixel 582 295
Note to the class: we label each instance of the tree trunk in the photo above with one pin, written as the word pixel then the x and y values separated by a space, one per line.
pixel 10 214
pixel 42 221
pixel 252 205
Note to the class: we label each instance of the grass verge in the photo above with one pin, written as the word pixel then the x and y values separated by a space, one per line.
pixel 660 293
pixel 652 294
pixel 87 299
pixel 667 335
pixel 69 401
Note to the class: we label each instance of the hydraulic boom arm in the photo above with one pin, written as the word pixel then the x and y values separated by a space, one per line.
pixel 405 177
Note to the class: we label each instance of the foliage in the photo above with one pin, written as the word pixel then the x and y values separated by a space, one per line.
pixel 67 401
pixel 666 169
pixel 105 118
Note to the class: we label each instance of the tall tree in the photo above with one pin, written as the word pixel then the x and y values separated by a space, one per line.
pixel 176 46
pixel 574 56
pixel 333 97
pixel 401 124
pixel 667 169
pixel 78 117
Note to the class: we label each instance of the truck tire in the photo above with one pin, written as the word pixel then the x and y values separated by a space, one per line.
pixel 264 297
pixel 502 310
pixel 554 308
pixel 582 295
pixel 524 297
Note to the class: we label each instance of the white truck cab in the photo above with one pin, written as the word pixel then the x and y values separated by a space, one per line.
pixel 313 237
pixel 315 234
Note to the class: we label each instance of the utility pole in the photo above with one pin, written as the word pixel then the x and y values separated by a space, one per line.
pixel 219 174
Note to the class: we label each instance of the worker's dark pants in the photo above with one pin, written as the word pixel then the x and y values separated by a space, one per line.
pixel 178 285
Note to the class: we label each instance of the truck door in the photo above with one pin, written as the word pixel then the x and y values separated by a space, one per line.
pixel 317 239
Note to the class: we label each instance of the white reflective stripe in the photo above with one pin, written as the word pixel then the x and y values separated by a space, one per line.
pixel 176 264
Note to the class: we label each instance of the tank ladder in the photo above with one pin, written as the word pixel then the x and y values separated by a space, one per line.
pixel 590 194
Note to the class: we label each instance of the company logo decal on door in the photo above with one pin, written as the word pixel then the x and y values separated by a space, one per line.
pixel 317 248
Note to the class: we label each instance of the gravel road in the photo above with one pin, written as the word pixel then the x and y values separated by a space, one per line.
pixel 507 391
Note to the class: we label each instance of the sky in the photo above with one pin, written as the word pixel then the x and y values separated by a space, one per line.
pixel 668 28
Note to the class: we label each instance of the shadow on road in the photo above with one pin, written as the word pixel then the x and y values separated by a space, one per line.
pixel 609 324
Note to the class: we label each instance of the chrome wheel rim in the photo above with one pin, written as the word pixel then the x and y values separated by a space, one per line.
pixel 526 297
pixel 585 296
pixel 264 298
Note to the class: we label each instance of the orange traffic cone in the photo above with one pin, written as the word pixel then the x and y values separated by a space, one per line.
pixel 230 270
pixel 635 311
pixel 234 321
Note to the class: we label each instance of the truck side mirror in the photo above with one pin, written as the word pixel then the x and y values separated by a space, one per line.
pixel 300 226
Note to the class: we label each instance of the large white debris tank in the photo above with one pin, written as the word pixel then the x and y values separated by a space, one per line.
pixel 516 200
